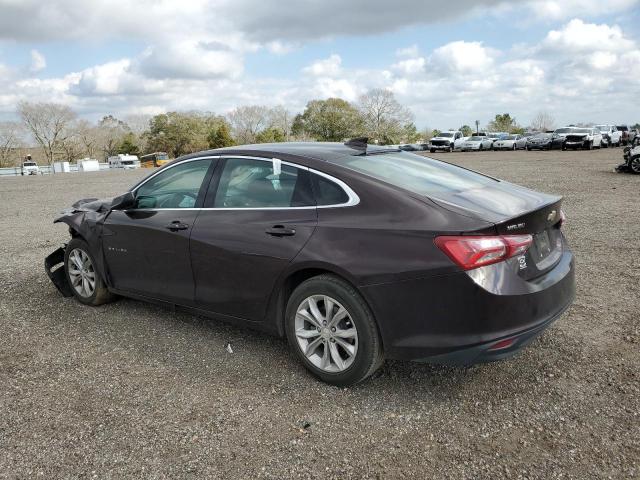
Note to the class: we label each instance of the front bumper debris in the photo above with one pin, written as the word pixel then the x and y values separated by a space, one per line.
pixel 54 266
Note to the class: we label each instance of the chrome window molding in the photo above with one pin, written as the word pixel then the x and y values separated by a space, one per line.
pixel 353 198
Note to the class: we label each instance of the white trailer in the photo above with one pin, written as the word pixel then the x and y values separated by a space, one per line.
pixel 127 162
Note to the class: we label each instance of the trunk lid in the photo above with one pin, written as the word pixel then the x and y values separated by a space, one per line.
pixel 515 210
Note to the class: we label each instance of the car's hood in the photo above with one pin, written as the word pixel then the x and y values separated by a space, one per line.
pixel 92 205
pixel 442 138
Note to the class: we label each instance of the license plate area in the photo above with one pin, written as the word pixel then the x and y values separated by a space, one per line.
pixel 542 246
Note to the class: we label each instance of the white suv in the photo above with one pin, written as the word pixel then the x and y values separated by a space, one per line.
pixel 30 167
pixel 444 141
pixel 611 136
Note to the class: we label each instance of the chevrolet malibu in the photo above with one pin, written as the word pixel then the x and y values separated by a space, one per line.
pixel 352 252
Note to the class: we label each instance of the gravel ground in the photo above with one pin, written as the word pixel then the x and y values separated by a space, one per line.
pixel 130 389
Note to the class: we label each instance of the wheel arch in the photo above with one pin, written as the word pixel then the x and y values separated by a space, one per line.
pixel 292 278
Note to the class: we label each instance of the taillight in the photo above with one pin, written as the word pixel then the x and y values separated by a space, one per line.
pixel 476 251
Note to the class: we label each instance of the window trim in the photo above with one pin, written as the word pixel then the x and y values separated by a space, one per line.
pixel 353 198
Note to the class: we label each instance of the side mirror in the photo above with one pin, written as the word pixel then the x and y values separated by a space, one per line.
pixel 124 201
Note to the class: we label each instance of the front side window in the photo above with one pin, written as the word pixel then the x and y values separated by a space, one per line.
pixel 250 183
pixel 175 187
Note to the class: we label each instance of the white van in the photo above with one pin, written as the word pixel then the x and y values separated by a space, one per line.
pixel 128 162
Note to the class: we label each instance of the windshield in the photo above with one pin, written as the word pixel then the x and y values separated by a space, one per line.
pixel 542 135
pixel 582 130
pixel 476 139
pixel 445 134
pixel 602 128
pixel 564 130
pixel 127 162
pixel 162 156
pixel 511 137
pixel 622 128
pixel 417 174
pixel 29 164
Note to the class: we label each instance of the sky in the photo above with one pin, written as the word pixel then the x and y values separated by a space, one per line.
pixel 450 62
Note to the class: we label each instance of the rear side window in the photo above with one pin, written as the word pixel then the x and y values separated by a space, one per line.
pixel 415 173
pixel 328 192
pixel 249 183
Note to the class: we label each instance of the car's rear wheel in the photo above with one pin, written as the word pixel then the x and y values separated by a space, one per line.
pixel 332 331
pixel 82 274
pixel 634 164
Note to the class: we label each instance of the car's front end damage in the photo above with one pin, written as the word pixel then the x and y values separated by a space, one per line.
pixel 85 219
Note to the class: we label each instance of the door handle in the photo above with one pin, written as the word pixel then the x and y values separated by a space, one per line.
pixel 176 225
pixel 280 231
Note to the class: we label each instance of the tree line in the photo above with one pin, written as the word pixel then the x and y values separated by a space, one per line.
pixel 62 136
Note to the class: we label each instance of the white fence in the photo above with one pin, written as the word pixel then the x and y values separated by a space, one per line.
pixel 44 169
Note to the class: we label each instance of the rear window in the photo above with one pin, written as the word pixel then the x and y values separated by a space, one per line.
pixel 417 174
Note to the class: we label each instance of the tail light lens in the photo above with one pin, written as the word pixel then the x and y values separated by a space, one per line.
pixel 471 252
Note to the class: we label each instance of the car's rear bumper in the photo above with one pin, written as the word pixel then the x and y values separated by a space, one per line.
pixel 458 318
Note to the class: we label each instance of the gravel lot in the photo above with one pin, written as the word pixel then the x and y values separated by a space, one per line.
pixel 130 389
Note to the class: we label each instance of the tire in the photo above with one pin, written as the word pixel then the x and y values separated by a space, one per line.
pixel 634 165
pixel 450 148
pixel 480 147
pixel 78 250
pixel 433 150
pixel 367 356
pixel 528 149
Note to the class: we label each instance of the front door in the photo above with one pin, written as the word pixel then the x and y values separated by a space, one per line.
pixel 147 247
pixel 259 217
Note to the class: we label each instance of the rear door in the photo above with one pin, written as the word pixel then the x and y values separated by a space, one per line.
pixel 258 215
pixel 146 248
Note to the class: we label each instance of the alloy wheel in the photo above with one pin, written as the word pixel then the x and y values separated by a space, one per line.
pixel 81 273
pixel 326 334
pixel 635 164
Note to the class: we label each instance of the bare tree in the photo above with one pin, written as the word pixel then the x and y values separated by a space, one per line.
pixel 246 122
pixel 138 123
pixel 384 117
pixel 111 133
pixel 71 146
pixel 542 122
pixel 89 136
pixel 47 123
pixel 282 119
pixel 9 141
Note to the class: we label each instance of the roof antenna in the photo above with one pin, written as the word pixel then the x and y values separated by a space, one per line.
pixel 358 143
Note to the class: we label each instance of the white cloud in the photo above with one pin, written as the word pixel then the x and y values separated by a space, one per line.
pixel 463 57
pixel 38 62
pixel 328 67
pixel 578 36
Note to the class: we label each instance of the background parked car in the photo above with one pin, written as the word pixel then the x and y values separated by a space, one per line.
pixel 611 137
pixel 521 143
pixel 496 136
pixel 29 167
pixel 445 141
pixel 457 145
pixel 545 141
pixel 408 147
pixel 624 133
pixel 507 143
pixel 586 138
pixel 477 143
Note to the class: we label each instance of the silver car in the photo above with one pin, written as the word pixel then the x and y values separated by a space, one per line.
pixel 477 143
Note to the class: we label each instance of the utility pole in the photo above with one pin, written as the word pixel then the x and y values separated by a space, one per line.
pixel 477 126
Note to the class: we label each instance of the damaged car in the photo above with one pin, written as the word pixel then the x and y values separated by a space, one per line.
pixel 353 252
